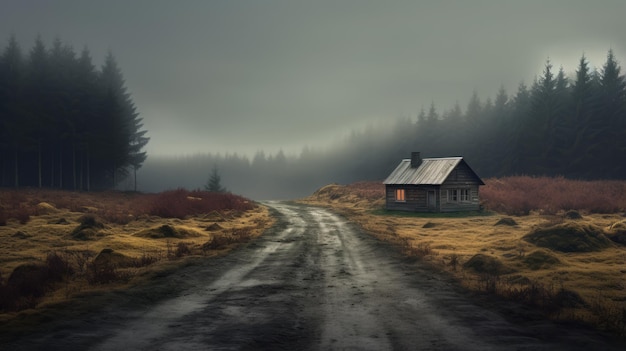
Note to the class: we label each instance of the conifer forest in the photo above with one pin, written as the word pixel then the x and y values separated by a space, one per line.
pixel 563 125
pixel 63 123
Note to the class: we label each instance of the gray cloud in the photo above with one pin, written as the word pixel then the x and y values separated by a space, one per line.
pixel 240 76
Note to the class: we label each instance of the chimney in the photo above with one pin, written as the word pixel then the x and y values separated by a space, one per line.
pixel 416 159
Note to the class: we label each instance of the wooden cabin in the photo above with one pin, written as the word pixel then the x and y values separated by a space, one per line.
pixel 445 184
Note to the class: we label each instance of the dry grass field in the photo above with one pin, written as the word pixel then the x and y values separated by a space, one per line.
pixel 572 268
pixel 55 245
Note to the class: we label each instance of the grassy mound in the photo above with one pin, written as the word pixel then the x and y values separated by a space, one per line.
pixel 167 231
pixel 46 208
pixel 617 232
pixel 508 221
pixel 572 214
pixel 214 216
pixel 569 237
pixel 331 192
pixel 88 228
pixel 540 259
pixel 108 257
pixel 29 279
pixel 429 225
pixel 365 193
pixel 485 264
pixel 214 227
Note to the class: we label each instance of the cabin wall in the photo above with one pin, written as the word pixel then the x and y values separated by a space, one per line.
pixel 460 179
pixel 450 204
pixel 459 192
pixel 461 175
pixel 416 198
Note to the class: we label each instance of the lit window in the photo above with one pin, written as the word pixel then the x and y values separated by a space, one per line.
pixel 400 195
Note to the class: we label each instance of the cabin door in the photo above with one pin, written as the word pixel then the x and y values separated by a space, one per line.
pixel 432 203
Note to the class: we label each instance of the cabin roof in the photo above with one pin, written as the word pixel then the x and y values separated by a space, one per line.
pixel 432 171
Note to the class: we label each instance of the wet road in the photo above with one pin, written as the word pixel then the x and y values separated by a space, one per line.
pixel 313 282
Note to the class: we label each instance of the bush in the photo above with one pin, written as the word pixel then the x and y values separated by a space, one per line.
pixel 181 203
pixel 22 215
pixel 522 194
pixel 29 280
pixel 183 249
pixel 58 266
pixel 105 273
pixel 146 259
pixel 485 264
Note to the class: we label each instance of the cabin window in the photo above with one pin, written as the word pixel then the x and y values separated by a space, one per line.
pixel 465 195
pixel 400 195
pixel 458 195
pixel 453 195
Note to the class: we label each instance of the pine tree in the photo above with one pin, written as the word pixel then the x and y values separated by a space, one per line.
pixel 214 183
pixel 543 128
pixel 120 139
pixel 612 110
pixel 63 101
pixel 581 117
pixel 474 110
pixel 496 134
pixel 519 113
pixel 81 127
pixel 12 128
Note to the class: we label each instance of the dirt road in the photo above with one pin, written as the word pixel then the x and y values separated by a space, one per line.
pixel 313 282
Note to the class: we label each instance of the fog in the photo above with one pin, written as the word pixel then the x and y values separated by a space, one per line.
pixel 244 76
pixel 218 82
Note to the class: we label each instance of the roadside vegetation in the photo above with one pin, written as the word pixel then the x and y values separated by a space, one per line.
pixel 57 244
pixel 554 244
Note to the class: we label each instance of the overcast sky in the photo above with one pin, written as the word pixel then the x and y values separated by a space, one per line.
pixel 241 76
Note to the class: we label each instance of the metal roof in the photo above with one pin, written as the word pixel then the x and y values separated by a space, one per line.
pixel 432 171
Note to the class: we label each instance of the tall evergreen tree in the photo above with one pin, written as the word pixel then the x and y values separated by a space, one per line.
pixel 37 117
pixel 120 139
pixel 496 133
pixel 612 110
pixel 63 101
pixel 474 110
pixel 12 127
pixel 520 111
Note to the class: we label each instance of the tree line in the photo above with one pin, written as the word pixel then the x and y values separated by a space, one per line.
pixel 63 123
pixel 558 126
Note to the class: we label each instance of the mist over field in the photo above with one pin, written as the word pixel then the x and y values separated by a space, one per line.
pixel 283 97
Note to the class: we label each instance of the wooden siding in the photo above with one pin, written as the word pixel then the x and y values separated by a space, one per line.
pixel 416 198
pixel 455 206
pixel 462 174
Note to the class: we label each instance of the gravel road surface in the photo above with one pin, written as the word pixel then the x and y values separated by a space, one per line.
pixel 312 282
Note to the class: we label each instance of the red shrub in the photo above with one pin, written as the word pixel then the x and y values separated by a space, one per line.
pixel 520 195
pixel 181 203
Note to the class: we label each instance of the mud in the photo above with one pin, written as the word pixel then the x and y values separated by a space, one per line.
pixel 312 282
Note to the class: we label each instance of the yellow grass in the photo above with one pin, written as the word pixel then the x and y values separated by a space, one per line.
pixel 31 242
pixel 598 277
